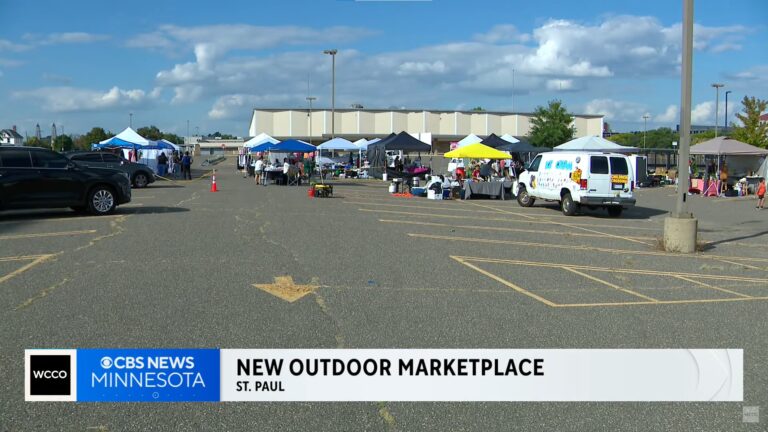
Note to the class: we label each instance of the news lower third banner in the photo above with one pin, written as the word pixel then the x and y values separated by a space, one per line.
pixel 350 375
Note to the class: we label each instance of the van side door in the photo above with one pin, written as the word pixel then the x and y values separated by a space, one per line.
pixel 599 182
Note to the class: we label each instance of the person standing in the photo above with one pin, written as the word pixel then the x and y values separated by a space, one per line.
pixel 761 194
pixel 258 169
pixel 186 166
pixel 162 164
pixel 286 170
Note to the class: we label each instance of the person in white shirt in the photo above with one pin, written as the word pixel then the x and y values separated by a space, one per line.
pixel 258 169
pixel 286 170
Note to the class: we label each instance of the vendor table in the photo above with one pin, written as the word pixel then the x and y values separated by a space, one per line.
pixel 274 174
pixel 492 188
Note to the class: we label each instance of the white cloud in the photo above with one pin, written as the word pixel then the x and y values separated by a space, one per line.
pixel 668 116
pixel 502 33
pixel 703 113
pixel 37 39
pixel 72 99
pixel 560 85
pixel 421 68
pixel 240 105
pixel 616 110
pixel 6 45
pixel 10 62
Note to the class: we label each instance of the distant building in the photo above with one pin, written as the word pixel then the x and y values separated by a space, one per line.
pixel 11 137
pixel 764 119
pixel 444 126
pixel 206 146
pixel 698 129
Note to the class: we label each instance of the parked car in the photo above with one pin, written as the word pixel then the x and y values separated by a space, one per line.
pixel 33 177
pixel 140 174
pixel 577 179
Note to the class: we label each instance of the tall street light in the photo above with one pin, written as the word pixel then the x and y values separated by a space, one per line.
pixel 725 122
pixel 680 228
pixel 310 99
pixel 130 120
pixel 645 128
pixel 717 87
pixel 332 53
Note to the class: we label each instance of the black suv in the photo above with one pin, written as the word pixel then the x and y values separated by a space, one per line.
pixel 33 177
pixel 140 174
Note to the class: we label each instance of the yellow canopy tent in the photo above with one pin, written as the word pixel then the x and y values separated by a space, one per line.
pixel 477 151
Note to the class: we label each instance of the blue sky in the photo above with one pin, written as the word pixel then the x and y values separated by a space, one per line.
pixel 91 63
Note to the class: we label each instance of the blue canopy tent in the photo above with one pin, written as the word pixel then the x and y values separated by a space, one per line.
pixel 259 148
pixel 293 146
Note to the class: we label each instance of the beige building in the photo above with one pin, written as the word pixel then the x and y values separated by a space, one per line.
pixel 445 126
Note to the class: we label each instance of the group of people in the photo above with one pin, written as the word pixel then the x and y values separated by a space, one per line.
pixel 289 168
pixel 485 170
pixel 175 165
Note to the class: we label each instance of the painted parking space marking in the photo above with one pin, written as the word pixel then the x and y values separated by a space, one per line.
pixel 32 218
pixel 581 270
pixel 48 234
pixel 507 220
pixel 33 261
pixel 571 226
pixel 591 248
pixel 502 229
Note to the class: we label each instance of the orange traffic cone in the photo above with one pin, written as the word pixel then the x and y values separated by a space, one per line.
pixel 213 182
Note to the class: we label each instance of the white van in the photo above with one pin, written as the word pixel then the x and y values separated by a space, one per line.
pixel 575 179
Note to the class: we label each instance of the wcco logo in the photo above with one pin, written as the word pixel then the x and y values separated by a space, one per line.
pixel 50 375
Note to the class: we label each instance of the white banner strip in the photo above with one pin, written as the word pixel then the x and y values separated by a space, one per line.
pixel 482 375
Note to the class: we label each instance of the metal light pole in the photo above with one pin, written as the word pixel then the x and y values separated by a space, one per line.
pixel 310 99
pixel 725 122
pixel 513 90
pixel 332 53
pixel 717 87
pixel 130 120
pixel 645 128
pixel 680 228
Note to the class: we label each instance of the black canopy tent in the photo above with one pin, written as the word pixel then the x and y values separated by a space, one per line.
pixel 377 153
pixel 494 141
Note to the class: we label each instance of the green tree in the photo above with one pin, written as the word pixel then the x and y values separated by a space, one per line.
pixel 752 131
pixel 173 138
pixel 150 133
pixel 63 143
pixel 702 136
pixel 551 126
pixel 94 136
pixel 478 109
pixel 33 141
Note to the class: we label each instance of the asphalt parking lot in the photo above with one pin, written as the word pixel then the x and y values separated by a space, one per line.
pixel 182 267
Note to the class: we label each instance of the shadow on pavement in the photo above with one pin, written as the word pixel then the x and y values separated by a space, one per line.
pixel 711 245
pixel 150 210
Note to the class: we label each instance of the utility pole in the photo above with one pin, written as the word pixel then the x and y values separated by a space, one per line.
pixel 645 128
pixel 310 99
pixel 680 228
pixel 130 120
pixel 513 90
pixel 717 87
pixel 332 53
pixel 725 121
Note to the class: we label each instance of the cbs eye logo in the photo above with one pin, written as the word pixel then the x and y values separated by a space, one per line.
pixel 50 375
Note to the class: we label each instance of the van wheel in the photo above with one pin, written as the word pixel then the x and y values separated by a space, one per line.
pixel 101 201
pixel 523 198
pixel 567 204
pixel 615 211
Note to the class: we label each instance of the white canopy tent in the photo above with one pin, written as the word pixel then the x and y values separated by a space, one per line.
pixel 510 138
pixel 130 136
pixel 742 158
pixel 260 139
pixel 594 143
pixel 338 144
pixel 467 140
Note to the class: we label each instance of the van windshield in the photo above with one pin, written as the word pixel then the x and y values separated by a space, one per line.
pixel 619 166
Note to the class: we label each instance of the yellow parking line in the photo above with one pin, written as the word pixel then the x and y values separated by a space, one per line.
pixel 25 267
pixel 570 226
pixel 22 257
pixel 49 234
pixel 142 197
pixel 660 302
pixel 478 227
pixel 615 270
pixel 505 282
pixel 606 283
pixel 57 219
pixel 741 264
pixel 507 220
pixel 583 247
pixel 418 207
pixel 694 281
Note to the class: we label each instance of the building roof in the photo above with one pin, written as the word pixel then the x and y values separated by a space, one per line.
pixel 11 133
pixel 764 117
pixel 412 110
